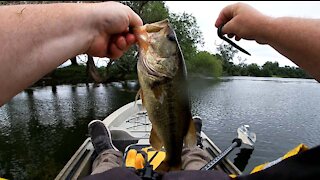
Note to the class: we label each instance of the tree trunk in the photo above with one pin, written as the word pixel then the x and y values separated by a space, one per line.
pixel 92 70
pixel 74 61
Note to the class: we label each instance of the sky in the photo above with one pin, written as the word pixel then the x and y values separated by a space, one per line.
pixel 206 13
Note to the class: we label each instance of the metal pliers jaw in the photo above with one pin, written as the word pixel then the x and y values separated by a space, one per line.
pixel 230 42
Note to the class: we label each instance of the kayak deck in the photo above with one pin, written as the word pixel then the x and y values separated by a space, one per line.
pixel 130 125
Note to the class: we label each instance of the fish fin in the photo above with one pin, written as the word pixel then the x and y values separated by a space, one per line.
pixel 139 94
pixel 191 138
pixel 165 167
pixel 158 93
pixel 155 141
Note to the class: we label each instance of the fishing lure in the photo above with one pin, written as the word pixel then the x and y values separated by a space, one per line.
pixel 230 42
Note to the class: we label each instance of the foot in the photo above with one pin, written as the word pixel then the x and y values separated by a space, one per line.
pixel 198 125
pixel 100 136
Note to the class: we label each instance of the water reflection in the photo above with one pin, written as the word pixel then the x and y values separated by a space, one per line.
pixel 129 86
pixel 242 158
pixel 41 128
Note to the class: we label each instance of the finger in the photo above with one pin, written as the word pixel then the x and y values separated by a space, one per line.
pixel 225 15
pixel 134 19
pixel 124 42
pixel 238 38
pixel 229 28
pixel 114 52
pixel 121 43
pixel 230 35
pixel 131 39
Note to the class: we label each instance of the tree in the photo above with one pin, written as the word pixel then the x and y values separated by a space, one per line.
pixel 74 61
pixel 92 71
pixel 254 70
pixel 149 11
pixel 206 64
pixel 188 33
pixel 271 67
pixel 226 53
pixel 185 26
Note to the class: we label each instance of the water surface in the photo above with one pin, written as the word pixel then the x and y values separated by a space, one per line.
pixel 42 127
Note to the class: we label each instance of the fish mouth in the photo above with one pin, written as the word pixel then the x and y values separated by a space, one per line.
pixel 142 37
pixel 151 71
pixel 141 34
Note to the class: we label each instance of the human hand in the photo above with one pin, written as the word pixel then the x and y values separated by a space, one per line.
pixel 112 21
pixel 243 21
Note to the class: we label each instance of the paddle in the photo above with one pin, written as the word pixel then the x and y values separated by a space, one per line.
pixel 244 137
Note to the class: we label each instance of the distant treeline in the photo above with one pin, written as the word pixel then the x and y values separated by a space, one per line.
pixel 269 69
pixel 207 64
pixel 203 64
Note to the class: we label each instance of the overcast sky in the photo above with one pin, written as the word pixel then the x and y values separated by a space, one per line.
pixel 206 13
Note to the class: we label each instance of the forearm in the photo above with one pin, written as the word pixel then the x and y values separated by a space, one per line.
pixel 297 39
pixel 36 39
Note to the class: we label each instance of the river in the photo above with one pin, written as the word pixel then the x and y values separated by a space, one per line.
pixel 42 127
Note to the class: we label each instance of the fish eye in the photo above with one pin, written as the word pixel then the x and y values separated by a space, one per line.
pixel 171 37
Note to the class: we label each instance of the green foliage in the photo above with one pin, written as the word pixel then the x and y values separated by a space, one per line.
pixel 189 36
pixel 269 69
pixel 227 52
pixel 206 64
pixel 185 26
pixel 125 65
pixel 70 73
pixel 67 75
pixel 149 11
pixel 188 33
pixel 253 70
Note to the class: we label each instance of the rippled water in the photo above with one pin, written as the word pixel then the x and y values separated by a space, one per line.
pixel 282 112
pixel 41 128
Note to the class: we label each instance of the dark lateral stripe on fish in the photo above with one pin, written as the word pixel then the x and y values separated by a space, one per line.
pixel 171 115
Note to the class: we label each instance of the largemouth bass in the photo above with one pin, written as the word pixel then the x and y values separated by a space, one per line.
pixel 164 92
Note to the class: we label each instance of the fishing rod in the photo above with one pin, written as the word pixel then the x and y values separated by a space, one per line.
pixel 244 137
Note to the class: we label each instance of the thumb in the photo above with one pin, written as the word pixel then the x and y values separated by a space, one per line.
pixel 229 28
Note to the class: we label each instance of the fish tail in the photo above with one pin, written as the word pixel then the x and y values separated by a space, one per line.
pixel 166 166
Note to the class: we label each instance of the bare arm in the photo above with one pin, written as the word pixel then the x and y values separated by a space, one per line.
pixel 35 39
pixel 295 38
